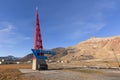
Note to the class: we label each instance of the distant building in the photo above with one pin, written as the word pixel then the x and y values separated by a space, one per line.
pixel 17 62
pixel 62 61
pixel 3 60
pixel 29 61
pixel 0 62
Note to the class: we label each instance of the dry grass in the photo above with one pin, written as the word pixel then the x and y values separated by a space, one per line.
pixel 11 72
pixel 89 71
pixel 104 64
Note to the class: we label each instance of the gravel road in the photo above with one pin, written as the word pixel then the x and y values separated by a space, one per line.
pixel 75 75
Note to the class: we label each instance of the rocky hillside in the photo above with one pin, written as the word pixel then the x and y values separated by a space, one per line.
pixel 94 49
pixel 26 58
pixel 60 52
pixel 9 58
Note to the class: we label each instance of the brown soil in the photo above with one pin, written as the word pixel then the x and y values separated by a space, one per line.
pixel 11 72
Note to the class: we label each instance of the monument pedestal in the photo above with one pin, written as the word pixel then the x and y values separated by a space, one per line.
pixel 39 64
pixel 34 64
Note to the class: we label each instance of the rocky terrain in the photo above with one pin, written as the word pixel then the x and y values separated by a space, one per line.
pixel 26 58
pixel 9 58
pixel 95 49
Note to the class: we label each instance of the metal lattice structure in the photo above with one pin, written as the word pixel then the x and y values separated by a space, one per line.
pixel 37 35
pixel 38 51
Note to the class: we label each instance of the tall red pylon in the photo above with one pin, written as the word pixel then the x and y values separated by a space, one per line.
pixel 39 60
pixel 37 42
pixel 37 34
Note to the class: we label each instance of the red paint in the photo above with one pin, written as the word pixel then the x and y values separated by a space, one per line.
pixel 37 35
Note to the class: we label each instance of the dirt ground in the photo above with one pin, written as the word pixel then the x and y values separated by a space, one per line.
pixel 11 72
pixel 56 72
pixel 60 73
pixel 74 75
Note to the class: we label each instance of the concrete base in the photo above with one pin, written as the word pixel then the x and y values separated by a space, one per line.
pixel 34 64
pixel 39 64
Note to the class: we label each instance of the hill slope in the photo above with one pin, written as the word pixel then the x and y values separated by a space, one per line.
pixel 92 52
pixel 94 49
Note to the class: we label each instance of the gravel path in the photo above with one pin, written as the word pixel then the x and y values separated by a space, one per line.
pixel 75 75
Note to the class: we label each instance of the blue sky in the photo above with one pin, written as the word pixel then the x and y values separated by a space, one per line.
pixel 63 23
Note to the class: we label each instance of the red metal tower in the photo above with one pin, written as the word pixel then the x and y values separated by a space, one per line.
pixel 37 42
pixel 38 51
pixel 37 35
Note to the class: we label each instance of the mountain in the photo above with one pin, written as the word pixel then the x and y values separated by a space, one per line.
pixel 26 58
pixel 60 52
pixel 10 58
pixel 92 52
pixel 102 49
